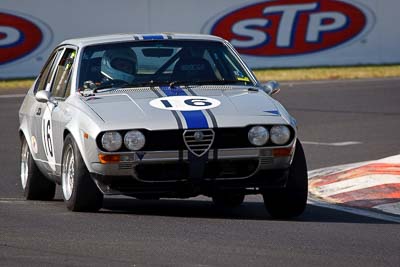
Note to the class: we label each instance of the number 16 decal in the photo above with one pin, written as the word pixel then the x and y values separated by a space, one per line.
pixel 185 103
pixel 47 137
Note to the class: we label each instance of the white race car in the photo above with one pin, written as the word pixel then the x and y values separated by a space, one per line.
pixel 158 116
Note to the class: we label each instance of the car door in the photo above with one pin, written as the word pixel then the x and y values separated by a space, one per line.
pixel 60 114
pixel 42 128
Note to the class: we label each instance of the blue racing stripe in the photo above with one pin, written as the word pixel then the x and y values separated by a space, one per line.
pixel 153 37
pixel 172 92
pixel 194 119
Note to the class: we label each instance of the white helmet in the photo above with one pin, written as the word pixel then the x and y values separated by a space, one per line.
pixel 119 64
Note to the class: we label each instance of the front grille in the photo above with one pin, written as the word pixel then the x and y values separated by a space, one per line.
pixel 198 141
pixel 231 138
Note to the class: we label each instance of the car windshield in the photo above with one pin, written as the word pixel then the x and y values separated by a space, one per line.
pixel 160 62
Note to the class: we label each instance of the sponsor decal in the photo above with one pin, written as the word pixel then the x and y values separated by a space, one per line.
pixel 34 144
pixel 272 112
pixel 289 28
pixel 21 36
pixel 140 155
pixel 185 103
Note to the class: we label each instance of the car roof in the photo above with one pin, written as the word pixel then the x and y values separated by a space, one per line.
pixel 110 38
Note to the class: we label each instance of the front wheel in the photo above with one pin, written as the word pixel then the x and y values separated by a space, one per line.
pixel 291 201
pixel 34 184
pixel 79 190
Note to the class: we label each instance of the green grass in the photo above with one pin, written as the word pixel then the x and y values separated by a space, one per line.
pixel 16 84
pixel 328 73
pixel 317 73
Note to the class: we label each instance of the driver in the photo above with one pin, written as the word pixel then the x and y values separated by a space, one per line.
pixel 119 64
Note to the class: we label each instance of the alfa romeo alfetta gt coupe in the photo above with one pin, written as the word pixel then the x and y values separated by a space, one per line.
pixel 158 116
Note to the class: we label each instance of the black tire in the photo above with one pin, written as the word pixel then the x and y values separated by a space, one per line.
pixel 228 200
pixel 291 201
pixel 80 192
pixel 34 184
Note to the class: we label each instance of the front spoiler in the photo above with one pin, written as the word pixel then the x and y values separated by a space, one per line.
pixel 127 185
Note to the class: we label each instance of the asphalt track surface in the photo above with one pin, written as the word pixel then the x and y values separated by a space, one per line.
pixel 129 232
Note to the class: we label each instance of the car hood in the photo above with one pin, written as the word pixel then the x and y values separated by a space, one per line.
pixel 237 107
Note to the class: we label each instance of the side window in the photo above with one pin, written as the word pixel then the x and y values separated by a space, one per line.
pixel 45 76
pixel 61 85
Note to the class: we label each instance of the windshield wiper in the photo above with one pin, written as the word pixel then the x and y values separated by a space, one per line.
pixel 147 84
pixel 201 82
pixel 115 86
pixel 102 87
pixel 90 88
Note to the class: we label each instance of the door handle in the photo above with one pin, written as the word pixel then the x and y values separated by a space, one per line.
pixel 39 111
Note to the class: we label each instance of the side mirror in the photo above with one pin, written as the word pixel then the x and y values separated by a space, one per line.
pixel 271 87
pixel 44 97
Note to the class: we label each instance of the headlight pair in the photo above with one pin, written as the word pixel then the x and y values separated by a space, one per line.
pixel 133 140
pixel 259 135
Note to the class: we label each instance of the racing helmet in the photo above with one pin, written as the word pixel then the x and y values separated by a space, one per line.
pixel 119 64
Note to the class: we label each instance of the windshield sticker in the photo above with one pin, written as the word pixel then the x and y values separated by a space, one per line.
pixel 240 77
pixel 244 79
pixel 185 103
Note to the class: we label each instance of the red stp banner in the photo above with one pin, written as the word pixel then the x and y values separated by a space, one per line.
pixel 288 27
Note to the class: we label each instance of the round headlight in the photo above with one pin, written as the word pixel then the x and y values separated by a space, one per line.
pixel 111 141
pixel 280 134
pixel 134 140
pixel 258 135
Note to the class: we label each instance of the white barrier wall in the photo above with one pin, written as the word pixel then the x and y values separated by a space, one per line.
pixel 279 33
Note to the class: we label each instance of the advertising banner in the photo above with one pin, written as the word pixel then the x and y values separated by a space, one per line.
pixel 268 34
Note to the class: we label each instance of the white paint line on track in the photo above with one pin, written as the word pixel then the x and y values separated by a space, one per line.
pixel 348 143
pixel 22 201
pixel 12 96
pixel 356 184
pixel 356 211
pixel 389 208
pixel 12 200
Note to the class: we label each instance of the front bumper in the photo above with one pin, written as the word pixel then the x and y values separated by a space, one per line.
pixel 265 158
pixel 170 171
